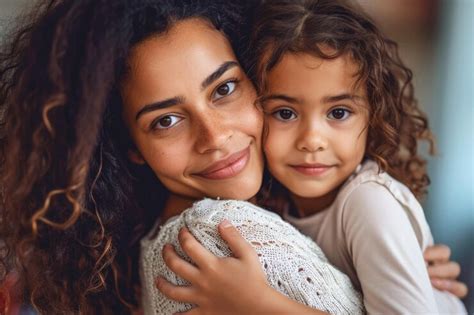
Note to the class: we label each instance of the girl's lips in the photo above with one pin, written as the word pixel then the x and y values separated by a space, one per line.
pixel 228 167
pixel 311 170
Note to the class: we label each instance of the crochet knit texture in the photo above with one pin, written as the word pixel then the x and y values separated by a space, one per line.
pixel 293 263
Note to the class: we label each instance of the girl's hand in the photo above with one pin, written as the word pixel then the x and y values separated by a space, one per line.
pixel 227 285
pixel 442 271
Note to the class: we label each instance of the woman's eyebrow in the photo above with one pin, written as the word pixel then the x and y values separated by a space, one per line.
pixel 178 100
pixel 159 105
pixel 218 73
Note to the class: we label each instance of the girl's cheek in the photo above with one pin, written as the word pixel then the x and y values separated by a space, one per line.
pixel 272 141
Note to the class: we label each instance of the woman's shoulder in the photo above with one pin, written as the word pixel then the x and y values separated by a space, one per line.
pixel 214 211
pixel 202 218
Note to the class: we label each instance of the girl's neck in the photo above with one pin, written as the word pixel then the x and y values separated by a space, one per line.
pixel 309 206
pixel 175 205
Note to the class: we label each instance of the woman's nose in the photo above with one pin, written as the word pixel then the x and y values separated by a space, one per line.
pixel 212 133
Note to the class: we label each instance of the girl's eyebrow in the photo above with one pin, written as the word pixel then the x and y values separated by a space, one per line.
pixel 326 99
pixel 282 97
pixel 341 97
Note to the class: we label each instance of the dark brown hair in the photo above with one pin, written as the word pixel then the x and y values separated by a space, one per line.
pixel 72 207
pixel 396 123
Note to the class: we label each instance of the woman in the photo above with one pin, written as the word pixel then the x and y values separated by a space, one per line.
pixel 73 204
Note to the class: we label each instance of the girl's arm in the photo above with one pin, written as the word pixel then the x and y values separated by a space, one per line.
pixel 384 250
pixel 230 285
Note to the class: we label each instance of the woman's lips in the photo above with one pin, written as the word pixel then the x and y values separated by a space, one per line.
pixel 228 167
pixel 311 169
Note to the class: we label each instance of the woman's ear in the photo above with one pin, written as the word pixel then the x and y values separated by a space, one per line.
pixel 135 156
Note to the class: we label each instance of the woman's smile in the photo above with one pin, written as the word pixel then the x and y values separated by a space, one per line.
pixel 227 167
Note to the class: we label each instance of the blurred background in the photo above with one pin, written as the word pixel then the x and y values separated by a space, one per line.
pixel 436 42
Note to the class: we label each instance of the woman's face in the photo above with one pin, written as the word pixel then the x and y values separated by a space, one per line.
pixel 190 111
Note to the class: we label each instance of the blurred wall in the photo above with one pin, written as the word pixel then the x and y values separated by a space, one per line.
pixel 451 201
pixel 436 42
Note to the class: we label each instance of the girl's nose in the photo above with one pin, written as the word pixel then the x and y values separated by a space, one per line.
pixel 311 139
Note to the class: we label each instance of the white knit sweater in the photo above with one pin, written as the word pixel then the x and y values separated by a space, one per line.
pixel 293 263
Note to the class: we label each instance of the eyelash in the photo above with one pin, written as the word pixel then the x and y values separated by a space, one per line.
pixel 277 114
pixel 346 112
pixel 154 123
pixel 234 81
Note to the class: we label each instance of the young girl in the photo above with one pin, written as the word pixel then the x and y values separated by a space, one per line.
pixel 342 128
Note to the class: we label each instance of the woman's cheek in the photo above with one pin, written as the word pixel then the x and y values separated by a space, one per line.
pixel 167 158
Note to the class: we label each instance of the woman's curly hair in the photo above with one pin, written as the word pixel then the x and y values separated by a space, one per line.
pixel 396 123
pixel 72 206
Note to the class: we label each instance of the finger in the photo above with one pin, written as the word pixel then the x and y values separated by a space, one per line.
pixel 237 244
pixel 437 253
pixel 185 294
pixel 457 288
pixel 178 265
pixel 198 253
pixel 193 311
pixel 446 271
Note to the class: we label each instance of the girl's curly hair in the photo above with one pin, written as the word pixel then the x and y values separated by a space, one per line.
pixel 72 207
pixel 396 123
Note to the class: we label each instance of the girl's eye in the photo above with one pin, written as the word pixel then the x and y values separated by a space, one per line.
pixel 165 122
pixel 284 114
pixel 224 89
pixel 339 114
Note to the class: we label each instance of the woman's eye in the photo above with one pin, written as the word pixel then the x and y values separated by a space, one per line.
pixel 339 114
pixel 165 122
pixel 284 114
pixel 224 89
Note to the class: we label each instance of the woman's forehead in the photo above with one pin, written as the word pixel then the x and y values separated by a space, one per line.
pixel 187 41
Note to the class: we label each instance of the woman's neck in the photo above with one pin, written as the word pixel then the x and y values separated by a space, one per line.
pixel 175 205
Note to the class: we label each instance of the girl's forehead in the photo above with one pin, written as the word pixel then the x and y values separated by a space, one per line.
pixel 296 69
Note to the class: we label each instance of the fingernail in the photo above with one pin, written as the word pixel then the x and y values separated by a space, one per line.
pixel 225 224
pixel 158 281
pixel 435 282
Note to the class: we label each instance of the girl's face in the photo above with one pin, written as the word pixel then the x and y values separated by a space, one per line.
pixel 317 123
pixel 189 108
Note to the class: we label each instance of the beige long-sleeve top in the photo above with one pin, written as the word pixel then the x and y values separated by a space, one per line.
pixel 375 232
